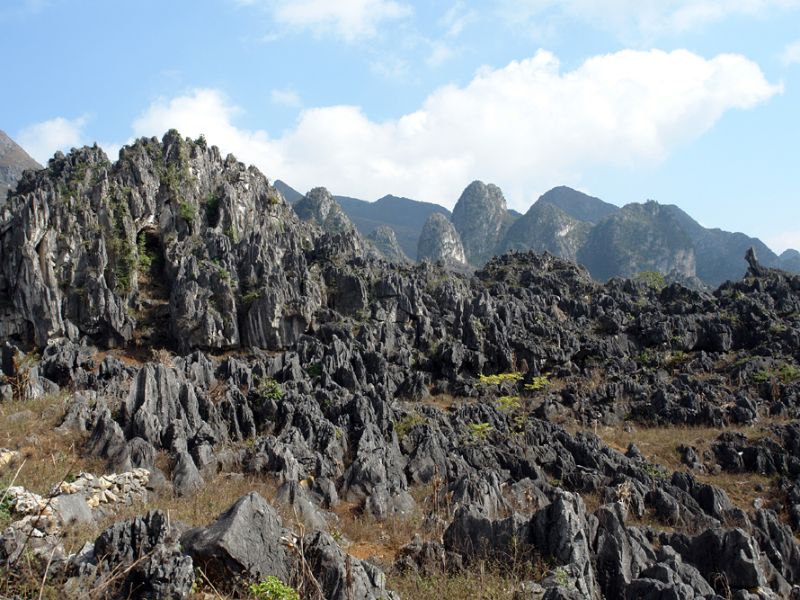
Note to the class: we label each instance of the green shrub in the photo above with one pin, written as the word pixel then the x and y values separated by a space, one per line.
pixel 785 374
pixel 508 403
pixel 187 212
pixel 499 378
pixel 536 384
pixel 652 279
pixel 269 389
pixel 404 426
pixel 273 588
pixel 480 430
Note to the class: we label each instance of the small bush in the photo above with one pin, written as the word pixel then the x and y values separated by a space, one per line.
pixel 536 384
pixel 404 426
pixel 269 389
pixel 187 212
pixel 508 403
pixel 273 588
pixel 499 378
pixel 652 279
pixel 480 430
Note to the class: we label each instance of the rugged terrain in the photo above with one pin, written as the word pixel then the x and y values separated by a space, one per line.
pixel 267 404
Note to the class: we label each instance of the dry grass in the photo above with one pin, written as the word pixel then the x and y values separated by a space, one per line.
pixel 660 445
pixel 29 428
pixel 474 585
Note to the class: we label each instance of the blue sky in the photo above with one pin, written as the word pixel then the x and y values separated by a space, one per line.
pixel 688 102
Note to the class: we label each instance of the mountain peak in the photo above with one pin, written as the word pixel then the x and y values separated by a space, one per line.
pixel 13 162
pixel 440 241
pixel 481 218
pixel 578 205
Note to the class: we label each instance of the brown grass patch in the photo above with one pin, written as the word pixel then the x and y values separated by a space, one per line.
pixel 50 456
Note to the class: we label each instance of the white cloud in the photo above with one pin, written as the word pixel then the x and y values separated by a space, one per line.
pixel 526 126
pixel 456 19
pixel 791 54
pixel 643 20
pixel 286 97
pixel 209 112
pixel 440 53
pixel 42 140
pixel 347 19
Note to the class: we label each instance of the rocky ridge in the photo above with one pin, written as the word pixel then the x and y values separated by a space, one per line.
pixel 272 348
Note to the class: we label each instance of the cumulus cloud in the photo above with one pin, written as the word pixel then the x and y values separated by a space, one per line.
pixel 791 54
pixel 644 19
pixel 526 126
pixel 42 140
pixel 347 19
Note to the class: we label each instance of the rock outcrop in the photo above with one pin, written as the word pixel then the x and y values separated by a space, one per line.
pixel 440 241
pixel 385 241
pixel 481 218
pixel 546 228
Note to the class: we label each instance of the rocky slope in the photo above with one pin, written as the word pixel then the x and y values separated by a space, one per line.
pixel 637 238
pixel 545 227
pixel 13 161
pixel 575 439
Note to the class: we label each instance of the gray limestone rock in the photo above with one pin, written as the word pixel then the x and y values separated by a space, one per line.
pixel 439 241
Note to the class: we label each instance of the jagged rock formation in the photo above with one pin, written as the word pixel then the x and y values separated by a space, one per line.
pixel 173 235
pixel 440 241
pixel 546 228
pixel 13 162
pixel 385 240
pixel 640 237
pixel 481 218
pixel 382 378
pixel 319 207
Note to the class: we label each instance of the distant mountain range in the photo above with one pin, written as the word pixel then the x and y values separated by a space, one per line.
pixel 13 161
pixel 607 239
pixel 403 215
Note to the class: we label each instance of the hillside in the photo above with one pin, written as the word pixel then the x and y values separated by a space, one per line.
pixel 13 161
pixel 205 396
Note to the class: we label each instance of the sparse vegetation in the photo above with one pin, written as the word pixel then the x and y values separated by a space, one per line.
pixel 480 431
pixel 269 389
pixel 187 211
pixel 652 279
pixel 500 378
pixel 273 588
pixel 404 426
pixel 536 384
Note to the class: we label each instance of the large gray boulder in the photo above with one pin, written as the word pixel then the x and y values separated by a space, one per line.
pixel 247 540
